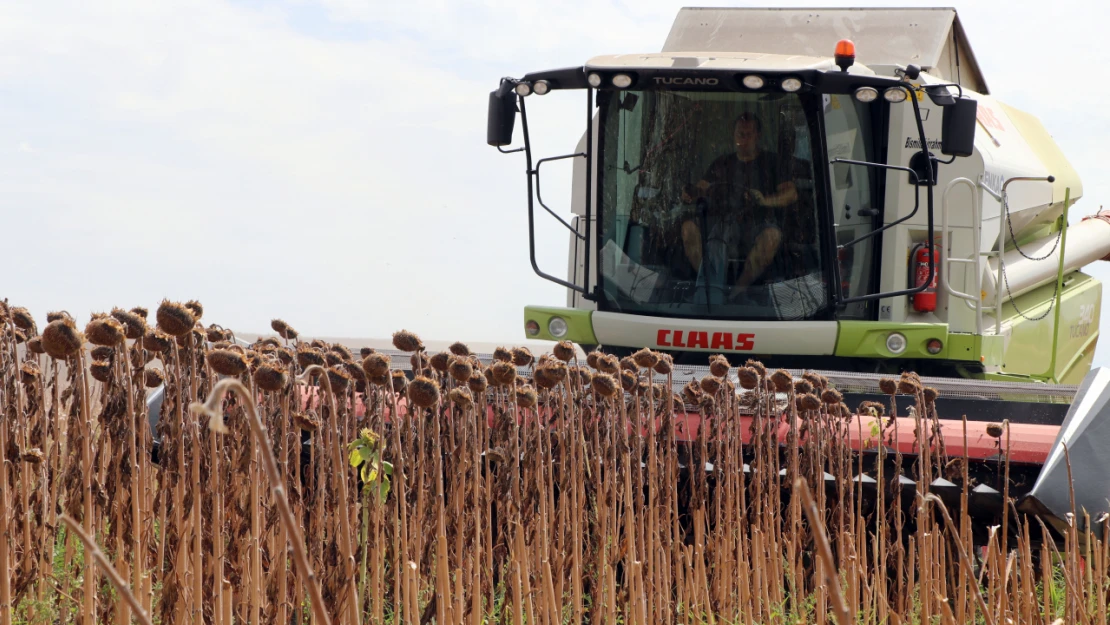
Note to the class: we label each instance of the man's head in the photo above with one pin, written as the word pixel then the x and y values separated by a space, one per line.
pixel 745 134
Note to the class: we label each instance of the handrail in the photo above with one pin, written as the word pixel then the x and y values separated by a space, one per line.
pixel 975 256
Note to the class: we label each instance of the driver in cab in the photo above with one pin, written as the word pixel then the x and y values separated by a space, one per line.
pixel 744 192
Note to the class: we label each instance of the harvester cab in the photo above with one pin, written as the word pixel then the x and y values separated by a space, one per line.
pixel 831 189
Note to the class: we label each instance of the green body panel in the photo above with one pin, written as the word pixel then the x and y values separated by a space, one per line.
pixel 867 339
pixel 579 327
pixel 1029 346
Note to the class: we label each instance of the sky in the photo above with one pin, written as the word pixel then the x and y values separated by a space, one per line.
pixel 324 161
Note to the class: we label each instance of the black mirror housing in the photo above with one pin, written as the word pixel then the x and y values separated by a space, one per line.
pixel 501 118
pixel 958 128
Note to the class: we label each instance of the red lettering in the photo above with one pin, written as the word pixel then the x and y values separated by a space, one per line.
pixel 677 342
pixel 698 339
pixel 722 340
pixel 661 338
pixel 745 342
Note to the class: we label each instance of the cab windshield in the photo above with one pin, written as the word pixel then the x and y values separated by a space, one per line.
pixel 707 206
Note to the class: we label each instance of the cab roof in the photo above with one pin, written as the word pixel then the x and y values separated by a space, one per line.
pixel 738 61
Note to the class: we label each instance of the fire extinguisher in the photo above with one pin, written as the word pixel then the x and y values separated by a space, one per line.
pixel 926 300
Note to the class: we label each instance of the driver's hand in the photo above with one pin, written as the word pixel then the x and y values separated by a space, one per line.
pixel 757 197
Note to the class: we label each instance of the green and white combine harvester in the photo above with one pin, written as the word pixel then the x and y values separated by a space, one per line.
pixel 833 190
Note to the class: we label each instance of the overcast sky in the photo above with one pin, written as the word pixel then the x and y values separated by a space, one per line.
pixel 325 161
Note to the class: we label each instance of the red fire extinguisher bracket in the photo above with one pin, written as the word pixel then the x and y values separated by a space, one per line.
pixel 926 300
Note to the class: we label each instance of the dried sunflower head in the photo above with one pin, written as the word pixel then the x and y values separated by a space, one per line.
pixel 174 318
pixel 645 358
pixel 748 376
pixel 101 370
pixel 134 326
pixel 460 369
pixel 502 354
pixel 195 308
pixel 227 362
pixel 407 341
pixel 461 397
pixel 460 349
pixel 423 392
pixel 440 361
pixel 23 319
pixel 522 356
pixel 376 365
pixel 783 380
pixel 104 331
pixel 270 376
pixel 153 378
pixel 61 339
pixel 526 397
pixel 564 350
pixel 665 365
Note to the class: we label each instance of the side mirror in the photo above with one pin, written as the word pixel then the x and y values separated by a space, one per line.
pixel 501 117
pixel 958 128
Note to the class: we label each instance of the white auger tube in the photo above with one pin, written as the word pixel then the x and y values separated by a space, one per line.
pixel 1088 241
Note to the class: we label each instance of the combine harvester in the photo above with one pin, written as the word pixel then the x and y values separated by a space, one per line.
pixel 836 190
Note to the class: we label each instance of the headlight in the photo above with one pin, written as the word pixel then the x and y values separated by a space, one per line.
pixel 790 85
pixel 753 81
pixel 867 94
pixel 594 80
pixel 896 343
pixel 532 327
pixel 894 95
pixel 557 327
pixel 523 89
pixel 541 87
pixel 622 81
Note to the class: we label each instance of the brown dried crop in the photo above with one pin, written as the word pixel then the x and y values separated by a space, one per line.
pixel 710 384
pixel 61 339
pixel 873 408
pixel 608 363
pixel 907 386
pixel 343 351
pixel 888 386
pixel 504 373
pixel 407 341
pixel 141 311
pixel 522 356
pixel 502 354
pixel 665 365
pixel 692 392
pixel 646 358
pixel 706 402
pixel 227 362
pixel 270 342
pixel 56 315
pixel 29 372
pixel 215 334
pixel 628 380
pixel 809 401
pixel 355 371
pixel 174 318
pixel 308 422
pixel 543 379
pixel 758 366
pixel 564 350
pixel 603 384
pixel 196 308
pixel 440 361
pixel 461 398
pixel 423 392
pixel 930 394
pixel 748 376
pixel 103 353
pixel 818 381
pixel 627 364
pixel 134 326
pixel 801 387
pixel 282 329
pixel 23 319
pixel 376 365
pixel 363 352
pixel 284 354
pixel 994 430
pixel 477 383
pixel 104 331
pixel 308 356
pixel 831 396
pixel 399 381
pixel 34 345
pixel 718 365
pixel 592 358
pixel 526 397
pixel 460 369
pixel 333 359
pixel 783 380
pixel 269 376
pixel 459 348
pixel 157 341
pixel 153 378
pixel 339 378
pixel 101 370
